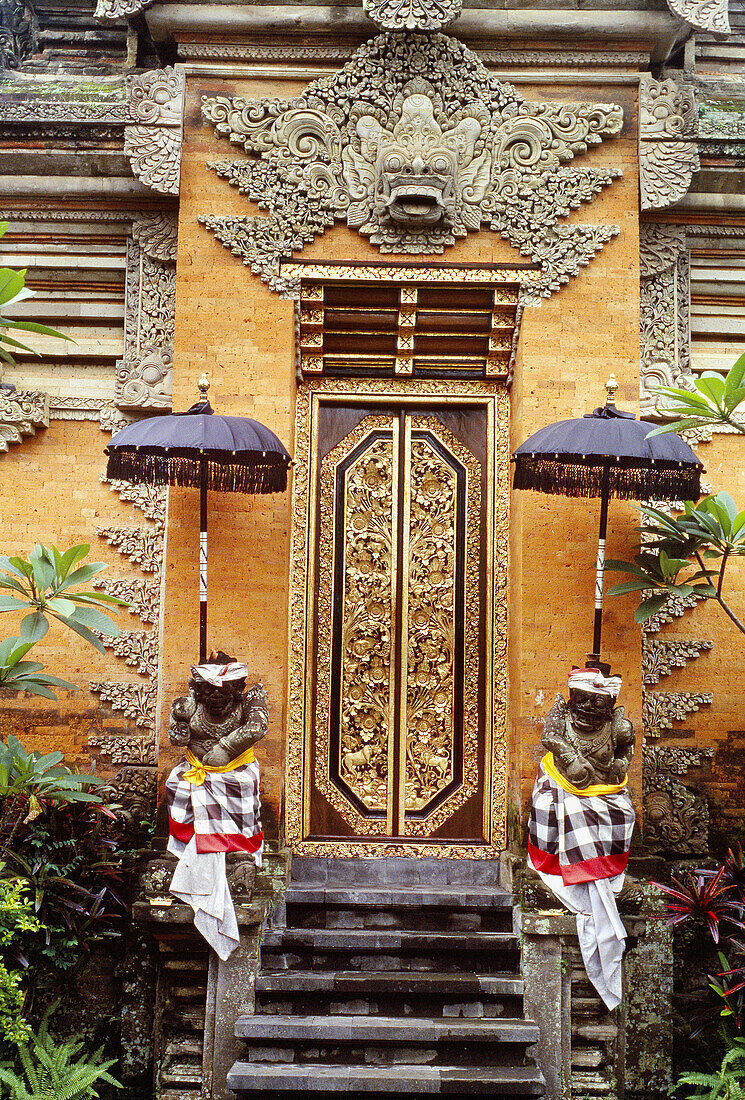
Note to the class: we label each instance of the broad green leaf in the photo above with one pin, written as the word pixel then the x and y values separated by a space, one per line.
pixel 34 627
pixel 24 568
pixel 10 603
pixel 711 385
pixel 34 326
pixel 736 375
pixel 43 574
pixel 630 586
pixel 11 284
pixel 85 633
pixel 95 620
pixel 12 583
pixel 650 607
pixel 61 606
pixel 675 426
pixel 73 555
pixel 84 574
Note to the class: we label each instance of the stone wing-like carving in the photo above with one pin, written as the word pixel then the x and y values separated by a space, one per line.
pixel 414 144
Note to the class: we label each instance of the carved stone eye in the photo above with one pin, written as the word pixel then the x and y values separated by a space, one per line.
pixel 393 163
pixel 441 165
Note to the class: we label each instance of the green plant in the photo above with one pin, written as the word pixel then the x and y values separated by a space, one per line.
pixel 712 401
pixel 44 586
pixel 17 920
pixel 712 531
pixel 13 290
pixel 55 1071
pixel 728 1083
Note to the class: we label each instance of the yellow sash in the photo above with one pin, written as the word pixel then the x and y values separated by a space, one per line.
pixel 583 792
pixel 197 773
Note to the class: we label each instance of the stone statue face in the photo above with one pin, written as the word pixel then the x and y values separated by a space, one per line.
pixel 221 701
pixel 416 192
pixel 588 710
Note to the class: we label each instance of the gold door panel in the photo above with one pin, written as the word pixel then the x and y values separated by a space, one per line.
pixel 397 631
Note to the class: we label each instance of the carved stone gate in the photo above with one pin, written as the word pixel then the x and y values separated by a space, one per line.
pixel 398 641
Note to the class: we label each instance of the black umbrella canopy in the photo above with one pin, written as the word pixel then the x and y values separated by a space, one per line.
pixel 198 449
pixel 234 453
pixel 607 453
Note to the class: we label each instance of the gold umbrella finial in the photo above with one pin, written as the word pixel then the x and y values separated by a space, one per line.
pixel 610 388
pixel 204 385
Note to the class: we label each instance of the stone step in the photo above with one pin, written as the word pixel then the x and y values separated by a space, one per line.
pixel 397 870
pixel 352 982
pixel 443 908
pixel 399 897
pixel 343 1029
pixel 498 1081
pixel 379 949
pixel 385 1040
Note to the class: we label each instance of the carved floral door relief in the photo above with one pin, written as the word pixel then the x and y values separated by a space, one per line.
pixel 398 741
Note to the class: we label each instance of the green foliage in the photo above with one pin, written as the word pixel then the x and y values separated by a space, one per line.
pixel 45 586
pixel 728 1083
pixel 16 921
pixel 49 1069
pixel 710 533
pixel 13 290
pixel 712 402
pixel 42 778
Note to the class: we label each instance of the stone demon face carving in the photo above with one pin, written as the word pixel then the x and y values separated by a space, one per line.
pixel 413 143
pixel 413 177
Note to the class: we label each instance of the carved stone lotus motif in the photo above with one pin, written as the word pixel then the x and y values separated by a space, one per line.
pixel 414 143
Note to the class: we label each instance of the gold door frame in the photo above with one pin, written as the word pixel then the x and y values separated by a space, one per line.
pixel 494 399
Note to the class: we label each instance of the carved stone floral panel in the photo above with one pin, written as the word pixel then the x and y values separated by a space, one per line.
pixel 20 415
pixel 665 340
pixel 414 144
pixel 144 378
pixel 412 15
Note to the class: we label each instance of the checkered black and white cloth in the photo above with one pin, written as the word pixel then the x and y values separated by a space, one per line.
pixel 583 838
pixel 223 813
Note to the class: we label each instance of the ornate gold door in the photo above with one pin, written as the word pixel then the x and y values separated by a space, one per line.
pixel 398 693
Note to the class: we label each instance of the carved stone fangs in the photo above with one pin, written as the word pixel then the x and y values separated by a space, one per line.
pixel 414 144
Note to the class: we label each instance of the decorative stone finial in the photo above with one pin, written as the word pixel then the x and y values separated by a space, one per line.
pixel 204 385
pixel 610 388
pixel 412 15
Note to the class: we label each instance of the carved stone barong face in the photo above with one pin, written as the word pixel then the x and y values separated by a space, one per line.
pixel 414 144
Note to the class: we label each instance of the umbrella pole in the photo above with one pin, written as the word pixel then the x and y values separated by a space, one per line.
pixel 203 561
pixel 599 566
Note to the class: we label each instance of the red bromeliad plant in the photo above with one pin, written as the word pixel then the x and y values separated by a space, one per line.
pixel 714 899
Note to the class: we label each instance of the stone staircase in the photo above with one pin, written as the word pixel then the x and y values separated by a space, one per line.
pixel 387 977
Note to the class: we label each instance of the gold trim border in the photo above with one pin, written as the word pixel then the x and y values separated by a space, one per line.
pixel 496 400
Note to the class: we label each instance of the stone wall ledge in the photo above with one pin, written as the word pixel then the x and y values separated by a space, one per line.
pixel 651 27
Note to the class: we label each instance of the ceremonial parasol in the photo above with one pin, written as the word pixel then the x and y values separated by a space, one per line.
pixel 197 448
pixel 607 453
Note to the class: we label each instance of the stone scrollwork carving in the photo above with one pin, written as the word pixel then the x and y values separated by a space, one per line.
pixel 154 132
pixel 413 163
pixel 668 153
pixel 16 33
pixel 412 15
pixel 704 15
pixel 20 415
pixel 676 820
pixel 664 313
pixel 144 378
pixel 660 656
pixel 119 9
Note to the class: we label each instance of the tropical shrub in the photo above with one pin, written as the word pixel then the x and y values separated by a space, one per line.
pixel 50 1069
pixel 728 1083
pixel 17 920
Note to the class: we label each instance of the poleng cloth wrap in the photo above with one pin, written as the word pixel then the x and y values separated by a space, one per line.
pixel 219 806
pixel 582 835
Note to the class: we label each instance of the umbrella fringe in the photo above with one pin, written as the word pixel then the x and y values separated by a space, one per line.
pixel 265 474
pixel 586 480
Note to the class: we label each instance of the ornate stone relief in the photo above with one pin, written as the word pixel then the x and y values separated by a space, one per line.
pixel 120 9
pixel 664 337
pixel 16 33
pixel 412 15
pixel 668 153
pixel 154 132
pixel 676 820
pixel 20 415
pixel 704 15
pixel 660 656
pixel 144 378
pixel 661 708
pixel 414 161
pixel 144 596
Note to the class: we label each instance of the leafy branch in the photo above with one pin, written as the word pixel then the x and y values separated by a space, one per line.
pixel 712 402
pixel 44 585
pixel 712 531
pixel 13 290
